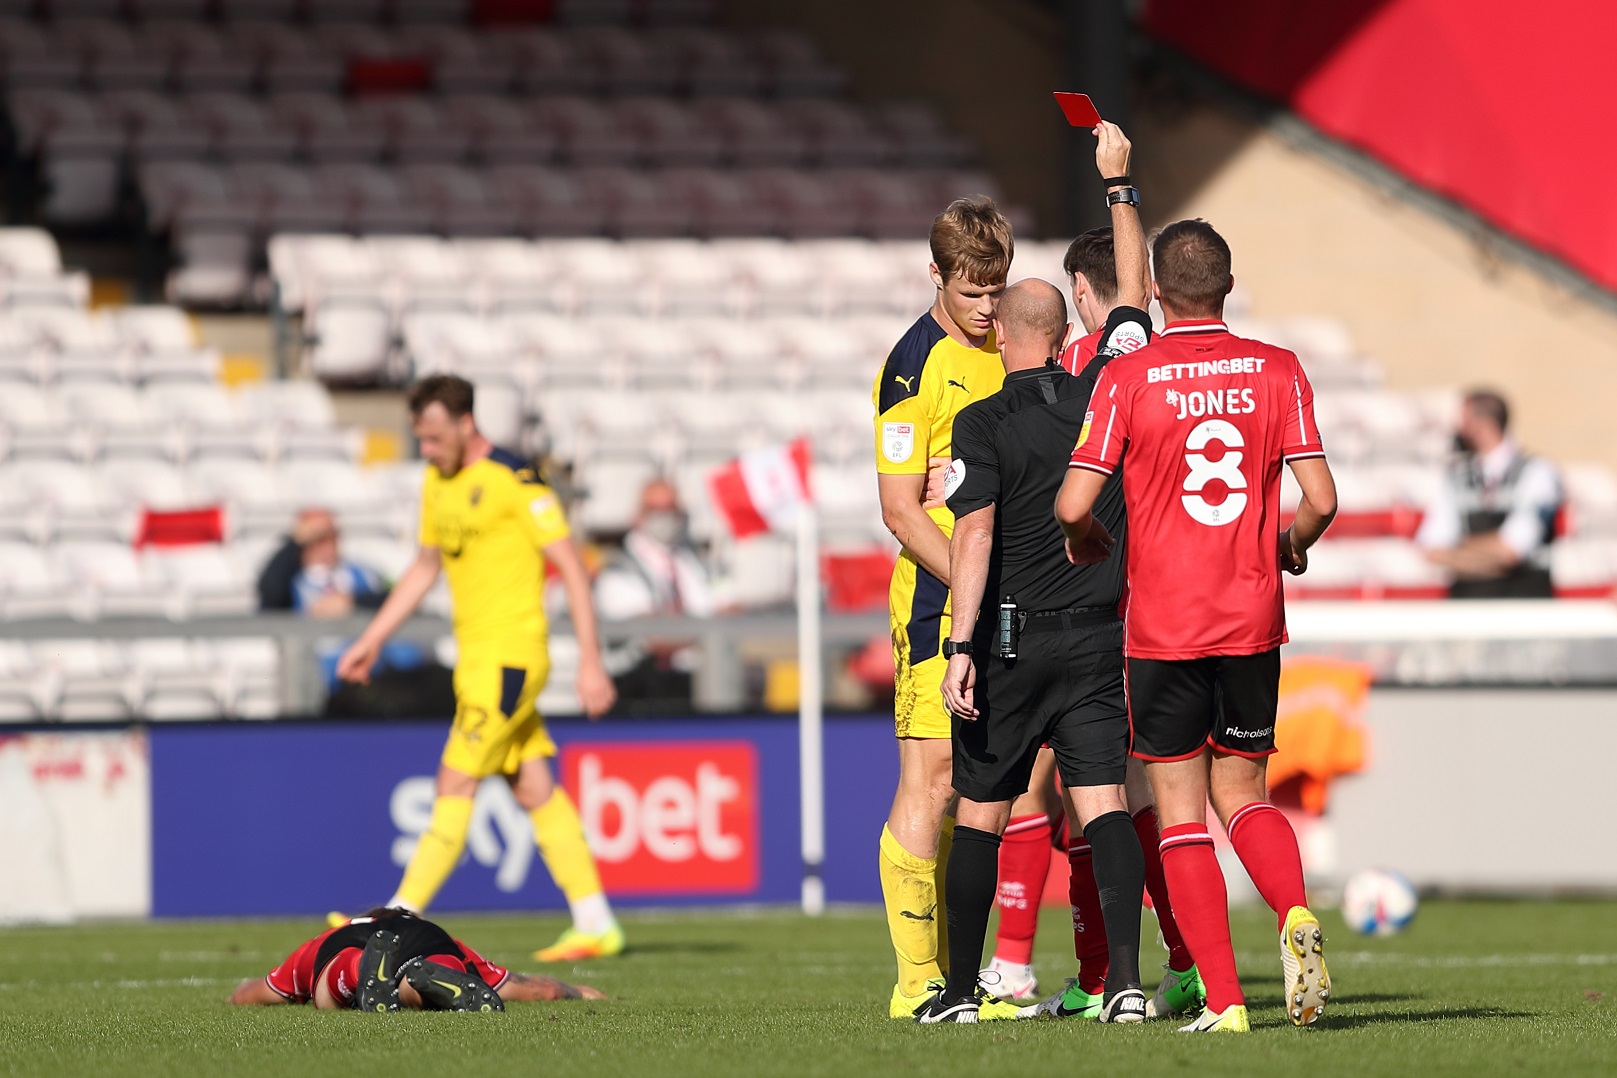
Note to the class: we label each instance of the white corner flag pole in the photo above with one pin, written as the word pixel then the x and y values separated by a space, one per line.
pixel 810 709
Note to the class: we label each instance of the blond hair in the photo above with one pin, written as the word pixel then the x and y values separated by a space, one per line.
pixel 971 239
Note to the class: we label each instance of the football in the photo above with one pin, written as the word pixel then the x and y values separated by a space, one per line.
pixel 1378 902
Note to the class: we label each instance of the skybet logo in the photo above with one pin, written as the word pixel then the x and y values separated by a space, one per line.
pixel 677 817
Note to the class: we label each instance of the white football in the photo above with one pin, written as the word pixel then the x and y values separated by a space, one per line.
pixel 1378 902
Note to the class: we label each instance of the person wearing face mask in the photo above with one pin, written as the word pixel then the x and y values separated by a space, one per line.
pixel 659 570
pixel 1492 521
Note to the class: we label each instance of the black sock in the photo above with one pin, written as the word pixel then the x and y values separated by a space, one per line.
pixel 1120 877
pixel 969 884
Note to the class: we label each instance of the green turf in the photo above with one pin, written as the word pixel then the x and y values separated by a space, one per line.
pixel 1472 988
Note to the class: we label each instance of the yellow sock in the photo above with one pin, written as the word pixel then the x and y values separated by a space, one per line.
pixel 945 844
pixel 910 892
pixel 560 836
pixel 436 853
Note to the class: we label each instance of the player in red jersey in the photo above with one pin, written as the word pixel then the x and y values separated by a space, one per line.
pixel 1091 268
pixel 391 958
pixel 1201 421
pixel 1036 816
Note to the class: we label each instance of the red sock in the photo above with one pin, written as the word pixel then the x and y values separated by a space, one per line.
pixel 1196 885
pixel 1024 862
pixel 341 974
pixel 1145 825
pixel 1267 846
pixel 1088 929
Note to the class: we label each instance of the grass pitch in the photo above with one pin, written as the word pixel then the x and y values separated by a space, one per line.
pixel 1472 988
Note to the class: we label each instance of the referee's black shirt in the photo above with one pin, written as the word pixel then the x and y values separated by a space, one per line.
pixel 1011 451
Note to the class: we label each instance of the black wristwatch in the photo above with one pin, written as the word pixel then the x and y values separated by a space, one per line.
pixel 952 648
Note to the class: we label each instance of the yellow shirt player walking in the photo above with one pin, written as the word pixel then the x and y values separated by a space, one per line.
pixel 945 361
pixel 489 524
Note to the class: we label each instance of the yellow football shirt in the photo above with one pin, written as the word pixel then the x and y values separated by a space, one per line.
pixel 491 521
pixel 927 379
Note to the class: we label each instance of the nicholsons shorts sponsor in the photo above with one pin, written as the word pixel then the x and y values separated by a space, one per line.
pixel 1178 707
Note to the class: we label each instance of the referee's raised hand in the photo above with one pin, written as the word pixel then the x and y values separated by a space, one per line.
pixel 1111 150
pixel 959 679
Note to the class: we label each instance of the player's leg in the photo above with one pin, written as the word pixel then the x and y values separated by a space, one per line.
pixel 1262 837
pixel 559 833
pixel 1090 735
pixel 1171 710
pixel 1119 879
pixel 1024 864
pixel 992 764
pixel 441 982
pixel 1180 989
pixel 917 838
pixel 475 742
pixel 910 863
pixel 438 850
pixel 970 885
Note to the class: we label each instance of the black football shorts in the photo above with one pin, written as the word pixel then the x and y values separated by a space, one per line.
pixel 1178 707
pixel 1064 688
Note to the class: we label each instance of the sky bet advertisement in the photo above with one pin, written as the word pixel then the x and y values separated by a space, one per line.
pixel 301 818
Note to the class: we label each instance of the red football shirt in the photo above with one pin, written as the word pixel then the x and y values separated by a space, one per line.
pixel 295 977
pixel 1076 356
pixel 1201 421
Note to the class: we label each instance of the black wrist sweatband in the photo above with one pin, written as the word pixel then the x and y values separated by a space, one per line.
pixel 1118 181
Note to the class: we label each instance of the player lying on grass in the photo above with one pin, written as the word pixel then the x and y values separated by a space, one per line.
pixel 390 959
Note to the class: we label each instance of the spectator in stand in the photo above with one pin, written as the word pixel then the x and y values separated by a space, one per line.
pixel 659 570
pixel 1492 522
pixel 309 574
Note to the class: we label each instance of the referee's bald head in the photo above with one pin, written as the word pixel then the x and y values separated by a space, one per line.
pixel 1033 314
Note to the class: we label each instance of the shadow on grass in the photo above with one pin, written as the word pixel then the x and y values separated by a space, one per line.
pixel 1332 1022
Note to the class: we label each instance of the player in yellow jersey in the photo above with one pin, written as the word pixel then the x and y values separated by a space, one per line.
pixel 490 525
pixel 945 361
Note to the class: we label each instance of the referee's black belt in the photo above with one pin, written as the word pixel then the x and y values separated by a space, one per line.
pixel 1050 621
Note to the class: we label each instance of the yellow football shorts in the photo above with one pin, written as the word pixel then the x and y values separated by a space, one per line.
pixel 918 615
pixel 497 727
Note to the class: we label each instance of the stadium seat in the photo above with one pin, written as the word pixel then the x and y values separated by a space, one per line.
pixel 91 678
pixel 349 342
pixel 110 580
pixel 201 581
pixel 214 268
pixel 32 584
pixel 175 679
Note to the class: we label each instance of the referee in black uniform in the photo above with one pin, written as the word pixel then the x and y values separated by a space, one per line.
pixel 1036 650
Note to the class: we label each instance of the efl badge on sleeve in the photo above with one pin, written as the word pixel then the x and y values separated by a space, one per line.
pixel 1083 432
pixel 898 441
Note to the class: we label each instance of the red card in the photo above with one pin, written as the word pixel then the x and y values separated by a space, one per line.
pixel 1079 109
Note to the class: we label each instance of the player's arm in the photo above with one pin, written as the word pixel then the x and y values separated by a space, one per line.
pixel 1088 541
pixel 1112 150
pixel 902 498
pixel 532 988
pixel 1315 511
pixel 595 689
pixel 256 992
pixel 412 587
pixel 969 551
